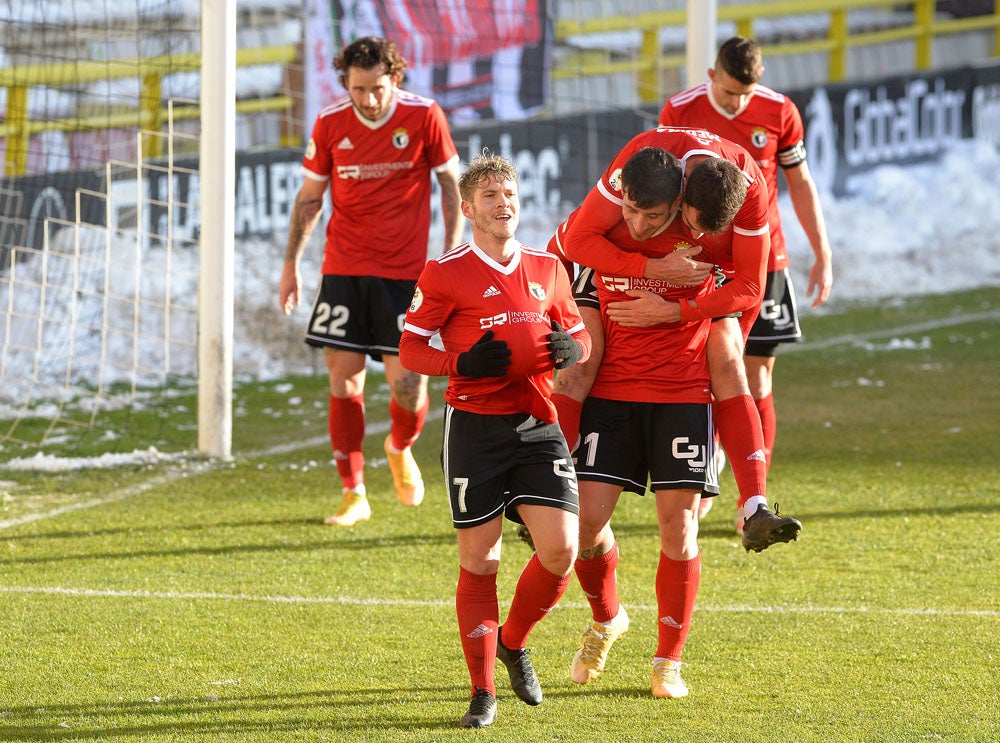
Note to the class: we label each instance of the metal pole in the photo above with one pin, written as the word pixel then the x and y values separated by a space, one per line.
pixel 216 243
pixel 701 42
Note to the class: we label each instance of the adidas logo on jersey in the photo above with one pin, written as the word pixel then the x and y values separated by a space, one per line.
pixel 345 144
pixel 481 631
pixel 491 292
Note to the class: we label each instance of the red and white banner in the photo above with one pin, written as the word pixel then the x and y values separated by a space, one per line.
pixel 480 59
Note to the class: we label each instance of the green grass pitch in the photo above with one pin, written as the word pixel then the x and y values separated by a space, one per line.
pixel 199 601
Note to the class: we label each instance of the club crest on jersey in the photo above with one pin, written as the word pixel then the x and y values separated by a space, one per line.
pixel 400 139
pixel 417 300
pixel 536 290
pixel 615 180
pixel 311 149
pixel 759 136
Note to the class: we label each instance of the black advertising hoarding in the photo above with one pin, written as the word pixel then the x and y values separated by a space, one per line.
pixel 854 127
pixel 267 182
pixel 558 160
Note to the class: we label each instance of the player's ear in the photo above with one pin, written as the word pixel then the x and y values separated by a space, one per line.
pixel 466 209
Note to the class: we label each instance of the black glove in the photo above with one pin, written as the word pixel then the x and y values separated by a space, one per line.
pixel 565 350
pixel 486 358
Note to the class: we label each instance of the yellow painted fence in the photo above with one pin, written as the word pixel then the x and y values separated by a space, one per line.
pixel 647 66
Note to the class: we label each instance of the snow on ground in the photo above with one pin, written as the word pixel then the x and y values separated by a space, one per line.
pixel 908 231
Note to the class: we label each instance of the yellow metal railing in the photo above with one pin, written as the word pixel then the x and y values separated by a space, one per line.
pixel 151 113
pixel 838 40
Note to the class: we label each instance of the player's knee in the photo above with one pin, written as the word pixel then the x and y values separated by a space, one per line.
pixel 558 559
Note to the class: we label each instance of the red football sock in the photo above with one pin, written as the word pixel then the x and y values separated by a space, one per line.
pixel 738 424
pixel 347 433
pixel 600 584
pixel 406 426
pixel 568 411
pixel 676 590
pixel 769 425
pixel 478 619
pixel 536 594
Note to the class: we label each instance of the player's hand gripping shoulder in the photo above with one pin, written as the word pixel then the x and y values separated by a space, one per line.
pixel 486 358
pixel 565 350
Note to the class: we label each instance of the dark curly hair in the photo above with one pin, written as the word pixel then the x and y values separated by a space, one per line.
pixel 368 52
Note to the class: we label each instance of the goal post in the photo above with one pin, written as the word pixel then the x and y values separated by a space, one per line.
pixel 217 235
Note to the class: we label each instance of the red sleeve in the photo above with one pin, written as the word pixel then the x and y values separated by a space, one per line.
pixel 792 131
pixel 440 147
pixel 555 245
pixel 746 288
pixel 585 242
pixel 417 355
pixel 318 157
pixel 429 310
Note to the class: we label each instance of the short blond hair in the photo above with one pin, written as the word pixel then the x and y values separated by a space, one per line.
pixel 482 167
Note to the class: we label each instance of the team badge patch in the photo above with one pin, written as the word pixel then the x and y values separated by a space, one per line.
pixel 759 137
pixel 417 300
pixel 400 139
pixel 311 149
pixel 536 290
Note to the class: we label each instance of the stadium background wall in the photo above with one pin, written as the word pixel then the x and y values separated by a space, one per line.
pixel 850 128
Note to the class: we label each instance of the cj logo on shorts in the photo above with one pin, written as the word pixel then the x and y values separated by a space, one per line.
pixel 697 455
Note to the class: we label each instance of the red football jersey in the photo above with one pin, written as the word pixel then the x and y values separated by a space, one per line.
pixel 464 293
pixel 663 363
pixel 741 250
pixel 769 127
pixel 379 173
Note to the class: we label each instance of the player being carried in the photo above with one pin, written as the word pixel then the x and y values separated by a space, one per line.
pixel 733 104
pixel 740 246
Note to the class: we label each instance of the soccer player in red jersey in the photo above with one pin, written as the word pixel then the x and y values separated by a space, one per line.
pixel 767 124
pixel 648 415
pixel 500 309
pixel 375 150
pixel 739 246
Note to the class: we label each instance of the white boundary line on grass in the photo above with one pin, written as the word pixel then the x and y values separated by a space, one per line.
pixel 379 427
pixel 351 601
pixel 374 429
pixel 125 493
pixel 946 322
